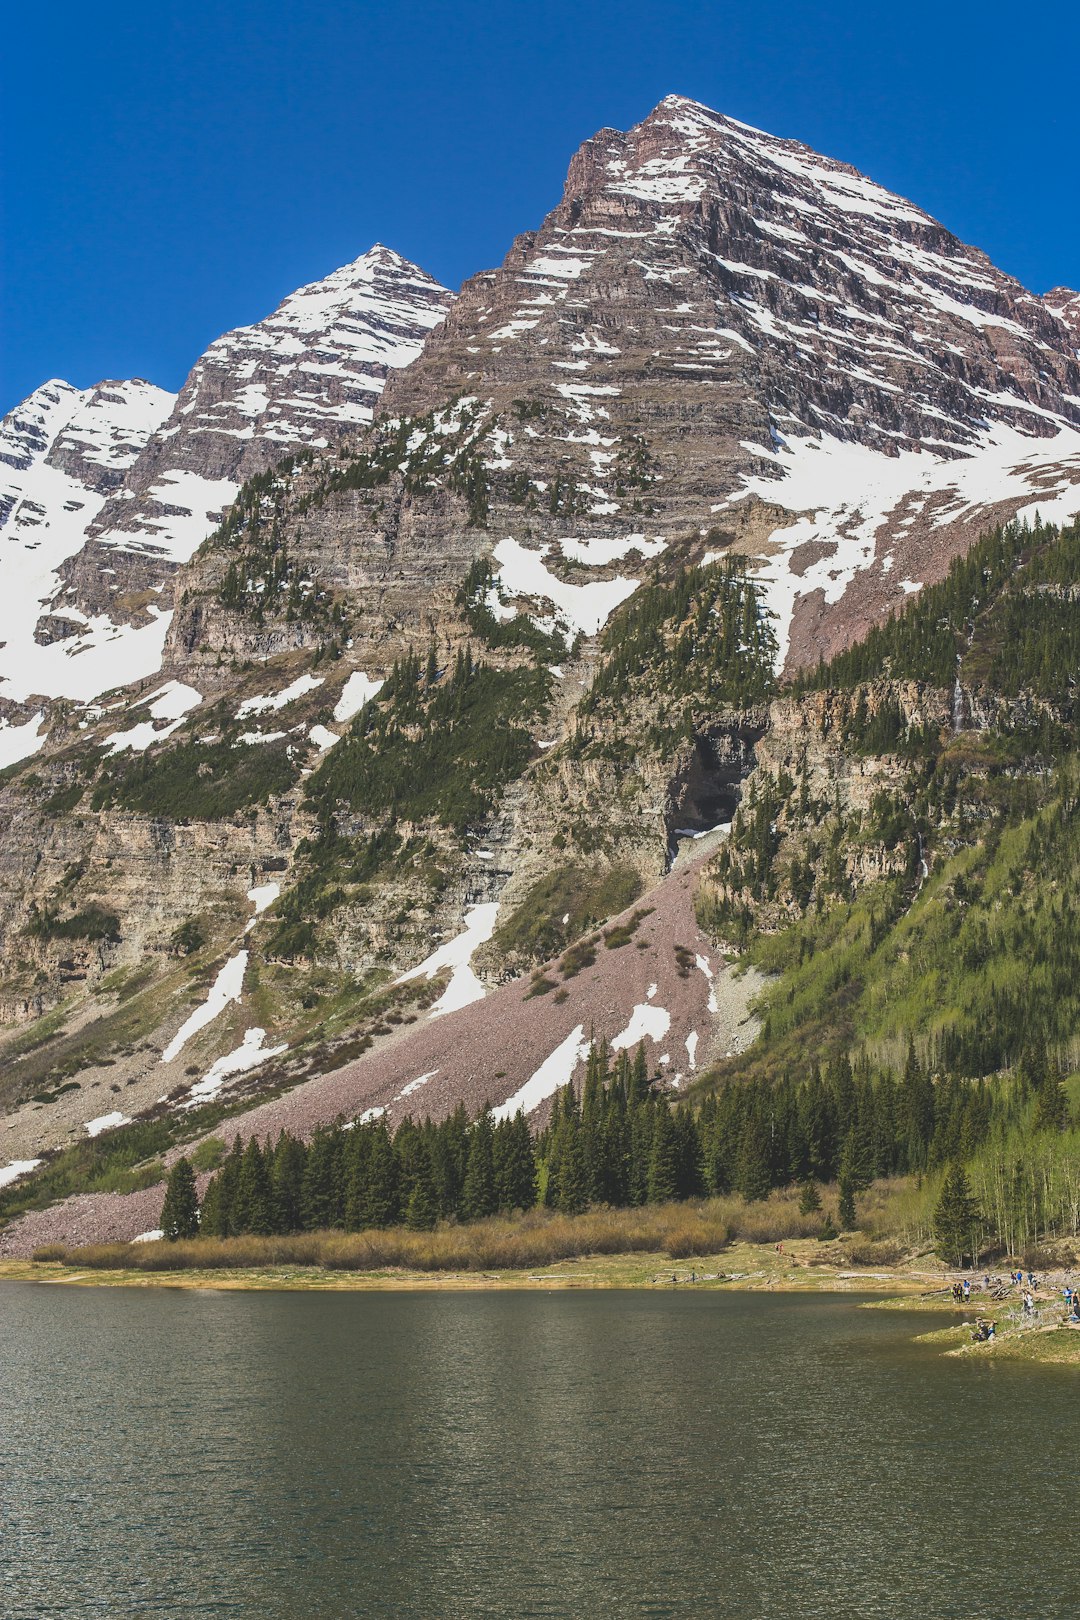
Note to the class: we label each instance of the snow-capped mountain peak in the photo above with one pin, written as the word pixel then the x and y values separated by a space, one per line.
pixel 104 490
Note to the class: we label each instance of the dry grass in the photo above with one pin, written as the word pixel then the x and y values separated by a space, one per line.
pixel 511 1243
pixel 504 1243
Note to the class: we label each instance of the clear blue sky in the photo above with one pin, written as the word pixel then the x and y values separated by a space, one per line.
pixel 173 168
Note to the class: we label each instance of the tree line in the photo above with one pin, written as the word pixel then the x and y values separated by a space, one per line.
pixel 622 1139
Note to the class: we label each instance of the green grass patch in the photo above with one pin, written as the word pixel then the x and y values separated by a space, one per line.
pixel 582 896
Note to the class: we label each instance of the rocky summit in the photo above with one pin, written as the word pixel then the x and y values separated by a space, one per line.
pixel 439 681
pixel 110 489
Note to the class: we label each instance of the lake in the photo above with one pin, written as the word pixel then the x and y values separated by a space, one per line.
pixel 567 1454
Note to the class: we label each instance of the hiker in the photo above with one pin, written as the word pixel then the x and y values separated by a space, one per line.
pixel 967 1289
pixel 1029 1304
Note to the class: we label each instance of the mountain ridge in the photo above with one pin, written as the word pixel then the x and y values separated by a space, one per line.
pixel 728 406
pixel 308 372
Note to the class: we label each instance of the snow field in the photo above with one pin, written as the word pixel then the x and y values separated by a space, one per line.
pixel 456 954
pixel 247 1056
pixel 226 988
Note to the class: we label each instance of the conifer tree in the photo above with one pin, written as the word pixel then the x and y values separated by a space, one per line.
pixel 956 1218
pixel 809 1197
pixel 514 1163
pixel 211 1215
pixel 691 1164
pixel 753 1178
pixel 422 1210
pixel 663 1183
pixel 319 1189
pixel 253 1209
pixel 381 1200
pixel 478 1196
pixel 180 1211
pixel 287 1178
pixel 569 1177
pixel 847 1203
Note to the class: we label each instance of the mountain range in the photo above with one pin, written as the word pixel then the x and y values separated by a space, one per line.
pixel 375 711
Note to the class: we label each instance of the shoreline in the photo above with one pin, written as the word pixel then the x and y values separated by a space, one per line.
pixel 742 1267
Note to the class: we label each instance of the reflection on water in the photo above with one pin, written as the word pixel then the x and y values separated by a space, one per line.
pixel 571 1454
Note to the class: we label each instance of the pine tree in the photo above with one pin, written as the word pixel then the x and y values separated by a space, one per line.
pixel 514 1164
pixel 422 1210
pixel 318 1193
pixel 957 1219
pixel 664 1159
pixel 690 1180
pixel 753 1179
pixel 569 1177
pixel 211 1215
pixel 287 1179
pixel 847 1203
pixel 253 1210
pixel 478 1195
pixel 381 1200
pixel 180 1211
pixel 809 1197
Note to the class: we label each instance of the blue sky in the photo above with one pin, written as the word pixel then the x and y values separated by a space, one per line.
pixel 174 169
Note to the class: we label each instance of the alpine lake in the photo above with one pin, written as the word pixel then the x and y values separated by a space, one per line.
pixel 577 1454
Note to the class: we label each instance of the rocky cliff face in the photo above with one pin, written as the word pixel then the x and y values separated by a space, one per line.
pixel 308 374
pixel 1065 305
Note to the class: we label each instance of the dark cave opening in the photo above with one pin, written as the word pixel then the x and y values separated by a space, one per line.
pixel 706 794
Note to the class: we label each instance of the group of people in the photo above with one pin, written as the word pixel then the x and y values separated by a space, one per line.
pixel 984 1329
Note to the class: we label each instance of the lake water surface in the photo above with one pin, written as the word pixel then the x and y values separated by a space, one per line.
pixel 569 1454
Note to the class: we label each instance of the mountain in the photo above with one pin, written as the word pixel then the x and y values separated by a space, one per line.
pixel 485 717
pixel 111 489
pixel 782 336
pixel 63 452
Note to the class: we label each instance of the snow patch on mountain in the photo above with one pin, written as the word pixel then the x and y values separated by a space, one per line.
pixel 358 690
pixel 61 453
pixel 848 498
pixel 456 954
pixel 226 988
pixel 250 1054
pixel 584 608
pixel 20 741
pixel 555 1071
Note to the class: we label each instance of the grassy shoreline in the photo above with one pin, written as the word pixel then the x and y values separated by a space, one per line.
pixel 919 1283
pixel 739 1266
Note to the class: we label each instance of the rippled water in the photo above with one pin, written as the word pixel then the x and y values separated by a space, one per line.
pixel 569 1454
